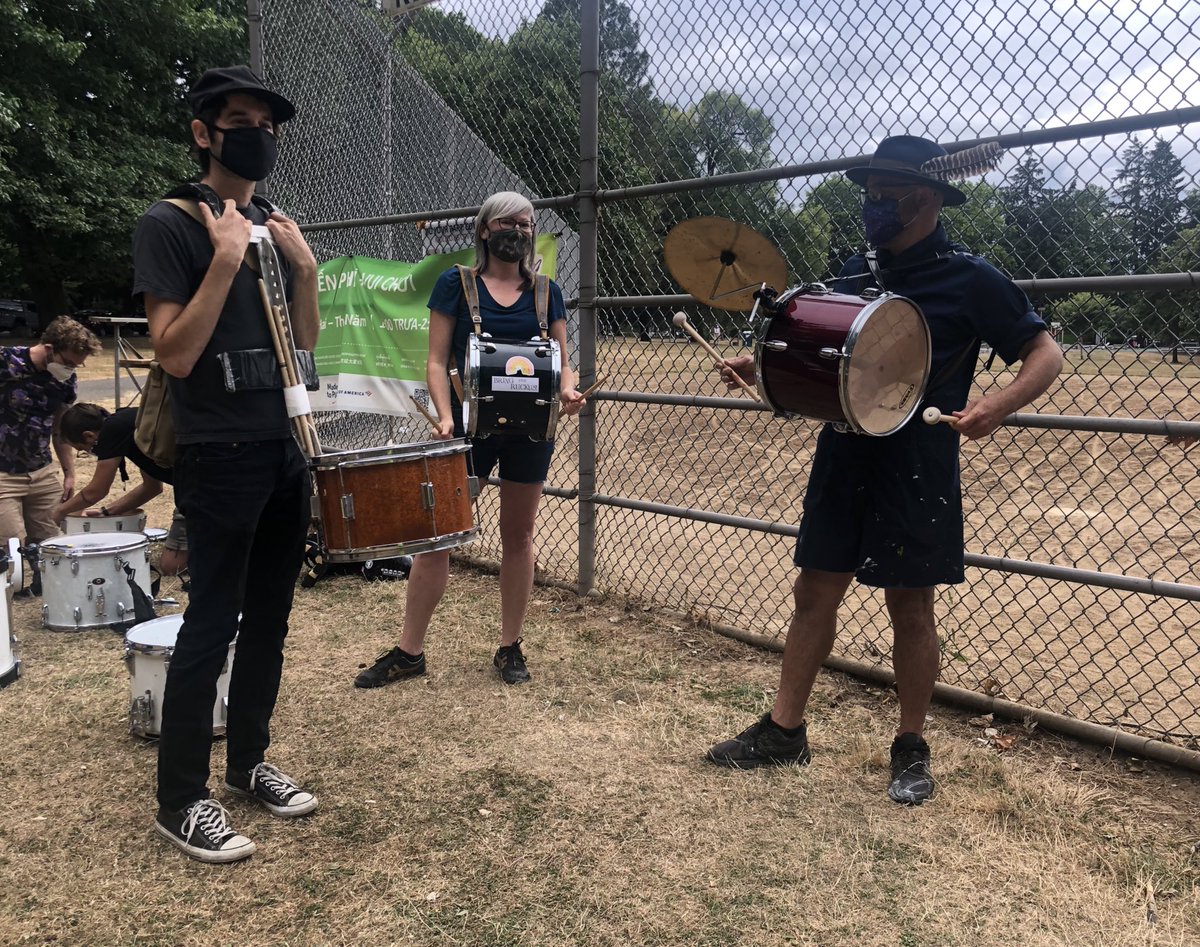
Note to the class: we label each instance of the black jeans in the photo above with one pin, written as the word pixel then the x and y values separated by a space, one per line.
pixel 247 508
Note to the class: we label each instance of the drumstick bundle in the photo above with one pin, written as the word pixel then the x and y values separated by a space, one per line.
pixel 285 352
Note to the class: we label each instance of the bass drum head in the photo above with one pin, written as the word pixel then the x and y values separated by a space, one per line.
pixel 884 378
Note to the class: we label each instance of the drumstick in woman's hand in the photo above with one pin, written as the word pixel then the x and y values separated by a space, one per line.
pixel 585 394
pixel 681 322
pixel 433 421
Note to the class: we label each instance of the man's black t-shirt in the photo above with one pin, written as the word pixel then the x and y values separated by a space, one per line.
pixel 171 255
pixel 116 440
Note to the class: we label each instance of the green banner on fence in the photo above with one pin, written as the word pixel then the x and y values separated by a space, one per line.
pixel 375 328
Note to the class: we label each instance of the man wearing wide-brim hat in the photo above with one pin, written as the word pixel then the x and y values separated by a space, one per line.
pixel 241 480
pixel 888 510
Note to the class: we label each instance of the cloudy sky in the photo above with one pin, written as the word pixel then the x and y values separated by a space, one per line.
pixel 836 75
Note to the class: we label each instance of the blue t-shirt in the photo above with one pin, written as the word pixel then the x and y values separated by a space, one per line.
pixel 506 323
pixel 965 300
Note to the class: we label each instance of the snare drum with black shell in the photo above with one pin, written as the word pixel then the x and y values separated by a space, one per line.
pixel 512 387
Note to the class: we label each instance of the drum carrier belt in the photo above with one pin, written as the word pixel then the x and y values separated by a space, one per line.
pixel 541 298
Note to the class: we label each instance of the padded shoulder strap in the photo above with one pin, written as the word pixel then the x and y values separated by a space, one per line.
pixel 191 207
pixel 541 302
pixel 466 276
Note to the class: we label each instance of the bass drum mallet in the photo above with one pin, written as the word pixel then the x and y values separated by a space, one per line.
pixel 681 322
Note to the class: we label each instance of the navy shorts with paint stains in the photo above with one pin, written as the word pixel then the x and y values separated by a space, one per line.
pixel 888 509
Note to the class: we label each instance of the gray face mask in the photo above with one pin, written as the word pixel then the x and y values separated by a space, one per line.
pixel 59 371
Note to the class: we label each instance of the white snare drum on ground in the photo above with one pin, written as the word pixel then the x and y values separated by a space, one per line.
pixel 133 522
pixel 155 534
pixel 148 650
pixel 10 667
pixel 83 578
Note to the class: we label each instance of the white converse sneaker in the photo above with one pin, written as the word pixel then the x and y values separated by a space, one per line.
pixel 202 831
pixel 275 790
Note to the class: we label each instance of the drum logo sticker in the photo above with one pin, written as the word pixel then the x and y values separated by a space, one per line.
pixel 519 365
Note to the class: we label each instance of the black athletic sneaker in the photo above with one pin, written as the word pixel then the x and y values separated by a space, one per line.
pixel 202 831
pixel 912 783
pixel 275 790
pixel 391 666
pixel 764 743
pixel 511 663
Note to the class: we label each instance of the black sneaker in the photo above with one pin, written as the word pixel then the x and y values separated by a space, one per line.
pixel 912 783
pixel 511 663
pixel 275 790
pixel 764 743
pixel 202 831
pixel 391 666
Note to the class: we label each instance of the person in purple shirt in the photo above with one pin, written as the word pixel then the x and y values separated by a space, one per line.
pixel 37 384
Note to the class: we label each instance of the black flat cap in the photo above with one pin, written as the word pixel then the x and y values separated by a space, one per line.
pixel 228 80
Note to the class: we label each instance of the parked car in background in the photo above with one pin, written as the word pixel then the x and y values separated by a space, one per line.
pixel 18 316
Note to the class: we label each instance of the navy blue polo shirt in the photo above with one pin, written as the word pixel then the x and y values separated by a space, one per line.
pixel 965 300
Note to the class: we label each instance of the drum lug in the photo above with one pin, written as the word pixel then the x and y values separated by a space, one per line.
pixel 45 614
pixel 775 345
pixel 141 714
pixel 348 506
pixel 817 289
pixel 74 567
pixel 127 656
pixel 100 604
pixel 121 610
pixel 870 292
pixel 540 402
pixel 486 398
pixel 831 353
pixel 427 499
pixel 315 506
pixel 224 710
pixel 78 615
pixel 472 487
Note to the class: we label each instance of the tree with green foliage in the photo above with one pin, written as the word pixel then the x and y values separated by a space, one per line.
pixel 93 126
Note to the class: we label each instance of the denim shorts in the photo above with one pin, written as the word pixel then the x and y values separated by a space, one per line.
pixel 888 509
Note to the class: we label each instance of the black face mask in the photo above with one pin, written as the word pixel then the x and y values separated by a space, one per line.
pixel 508 245
pixel 250 153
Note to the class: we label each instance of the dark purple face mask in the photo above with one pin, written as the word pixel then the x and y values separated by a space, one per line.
pixel 881 220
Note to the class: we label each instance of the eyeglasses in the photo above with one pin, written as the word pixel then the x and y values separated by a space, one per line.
pixel 511 223
pixel 886 192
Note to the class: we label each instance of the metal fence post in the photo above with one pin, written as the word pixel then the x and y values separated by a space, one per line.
pixel 589 146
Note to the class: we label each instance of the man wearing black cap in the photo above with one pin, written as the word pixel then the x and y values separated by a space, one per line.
pixel 888 510
pixel 240 478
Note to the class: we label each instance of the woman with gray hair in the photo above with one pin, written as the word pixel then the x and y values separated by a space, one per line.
pixel 504 275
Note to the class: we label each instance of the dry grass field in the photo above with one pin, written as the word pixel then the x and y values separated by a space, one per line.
pixel 578 809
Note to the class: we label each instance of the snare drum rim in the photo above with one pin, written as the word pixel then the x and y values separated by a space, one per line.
pixel 377 456
pixel 414 548
pixel 124 543
pixel 852 335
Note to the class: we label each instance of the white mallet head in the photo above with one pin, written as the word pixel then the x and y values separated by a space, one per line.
pixel 680 320
pixel 931 415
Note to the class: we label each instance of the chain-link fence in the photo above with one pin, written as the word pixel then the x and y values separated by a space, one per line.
pixel 1080 539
